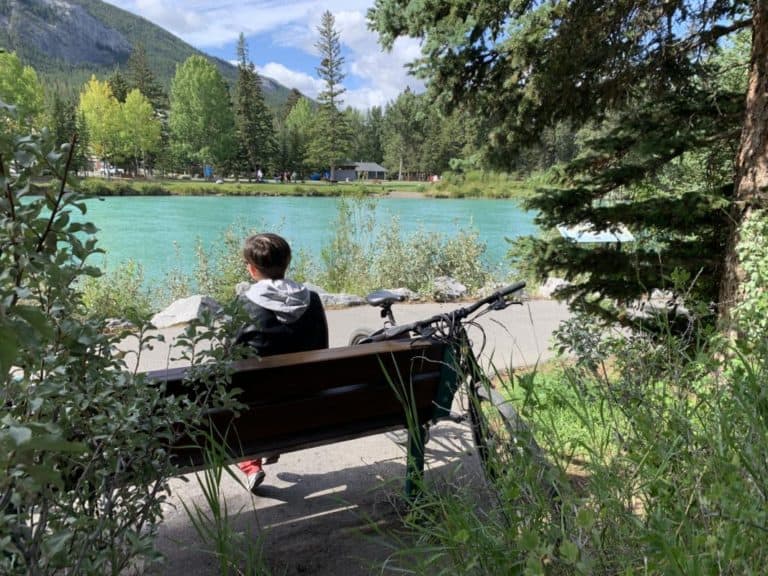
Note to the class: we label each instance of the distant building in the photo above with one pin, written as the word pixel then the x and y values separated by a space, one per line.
pixel 353 171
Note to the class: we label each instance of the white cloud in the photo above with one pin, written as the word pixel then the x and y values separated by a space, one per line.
pixel 378 76
pixel 306 84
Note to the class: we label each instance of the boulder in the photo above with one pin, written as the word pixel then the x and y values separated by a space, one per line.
pixel 492 287
pixel 341 300
pixel 409 294
pixel 446 289
pixel 118 324
pixel 185 310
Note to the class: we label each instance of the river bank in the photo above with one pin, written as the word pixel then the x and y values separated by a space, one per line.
pixel 493 188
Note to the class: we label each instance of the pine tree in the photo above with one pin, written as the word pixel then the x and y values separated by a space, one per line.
pixel 119 85
pixel 641 82
pixel 62 115
pixel 331 136
pixel 140 76
pixel 293 97
pixel 257 145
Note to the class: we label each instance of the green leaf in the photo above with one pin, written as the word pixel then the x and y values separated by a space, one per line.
pixel 20 434
pixel 35 318
pixel 9 346
pixel 569 551
pixel 585 518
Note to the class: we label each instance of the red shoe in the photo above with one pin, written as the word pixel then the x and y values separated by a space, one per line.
pixel 253 472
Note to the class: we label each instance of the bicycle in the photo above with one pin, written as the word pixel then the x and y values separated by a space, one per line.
pixel 501 436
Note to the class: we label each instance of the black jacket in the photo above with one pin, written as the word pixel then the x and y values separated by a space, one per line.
pixel 267 335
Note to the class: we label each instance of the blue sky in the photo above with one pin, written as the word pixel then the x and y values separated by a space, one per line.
pixel 281 35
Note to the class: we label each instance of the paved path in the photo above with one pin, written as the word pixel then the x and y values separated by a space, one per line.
pixel 327 511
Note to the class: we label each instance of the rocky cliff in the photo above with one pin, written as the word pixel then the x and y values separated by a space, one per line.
pixel 68 40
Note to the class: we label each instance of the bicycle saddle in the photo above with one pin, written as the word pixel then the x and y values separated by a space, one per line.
pixel 383 298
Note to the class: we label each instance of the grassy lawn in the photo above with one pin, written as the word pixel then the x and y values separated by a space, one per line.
pixel 487 186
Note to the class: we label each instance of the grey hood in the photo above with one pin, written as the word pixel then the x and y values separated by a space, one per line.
pixel 286 298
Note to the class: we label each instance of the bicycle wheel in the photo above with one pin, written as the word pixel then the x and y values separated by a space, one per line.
pixel 511 459
pixel 359 335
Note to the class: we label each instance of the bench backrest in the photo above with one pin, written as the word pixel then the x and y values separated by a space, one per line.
pixel 305 399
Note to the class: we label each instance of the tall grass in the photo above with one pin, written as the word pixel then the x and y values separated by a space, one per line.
pixel 480 184
pixel 666 454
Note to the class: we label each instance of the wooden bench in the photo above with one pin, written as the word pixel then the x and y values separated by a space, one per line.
pixel 306 399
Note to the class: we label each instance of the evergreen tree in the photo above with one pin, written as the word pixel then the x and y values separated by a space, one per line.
pixel 119 86
pixel 404 135
pixel 331 137
pixel 141 77
pixel 293 97
pixel 257 145
pixel 62 121
pixel 373 136
pixel 80 159
pixel 642 78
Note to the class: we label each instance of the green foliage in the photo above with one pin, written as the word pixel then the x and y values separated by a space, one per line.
pixel 479 184
pixel 234 550
pixel 118 293
pixel 201 121
pixel 253 120
pixel 355 261
pixel 140 130
pixel 646 114
pixel 141 77
pixel 296 133
pixel 752 313
pixel 83 440
pixel 664 455
pixel 219 269
pixel 330 131
pixel 101 112
pixel 20 87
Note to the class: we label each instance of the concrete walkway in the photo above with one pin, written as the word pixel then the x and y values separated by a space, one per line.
pixel 327 511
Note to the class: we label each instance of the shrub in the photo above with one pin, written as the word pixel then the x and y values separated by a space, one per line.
pixel 83 440
pixel 667 456
pixel 752 313
pixel 119 293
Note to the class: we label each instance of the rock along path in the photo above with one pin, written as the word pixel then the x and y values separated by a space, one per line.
pixel 330 510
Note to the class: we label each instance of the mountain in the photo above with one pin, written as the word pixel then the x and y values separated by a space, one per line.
pixel 66 41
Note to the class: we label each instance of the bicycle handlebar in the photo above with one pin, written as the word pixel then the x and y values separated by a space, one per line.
pixel 452 316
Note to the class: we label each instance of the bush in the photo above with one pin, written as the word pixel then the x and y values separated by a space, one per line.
pixel 83 440
pixel 118 294
pixel 355 261
pixel 667 460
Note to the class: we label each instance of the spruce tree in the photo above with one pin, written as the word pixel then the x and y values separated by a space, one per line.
pixel 119 85
pixel 140 76
pixel 642 83
pixel 331 136
pixel 257 145
pixel 293 97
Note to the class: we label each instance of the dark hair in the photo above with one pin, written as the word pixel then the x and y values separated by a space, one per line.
pixel 268 252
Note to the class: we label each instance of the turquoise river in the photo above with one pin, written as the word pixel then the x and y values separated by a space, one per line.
pixel 160 232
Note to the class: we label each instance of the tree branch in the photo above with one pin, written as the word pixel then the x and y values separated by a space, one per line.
pixel 60 195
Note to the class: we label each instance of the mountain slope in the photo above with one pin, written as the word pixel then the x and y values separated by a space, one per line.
pixel 68 40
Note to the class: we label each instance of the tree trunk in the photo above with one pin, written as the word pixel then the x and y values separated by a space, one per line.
pixel 751 178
